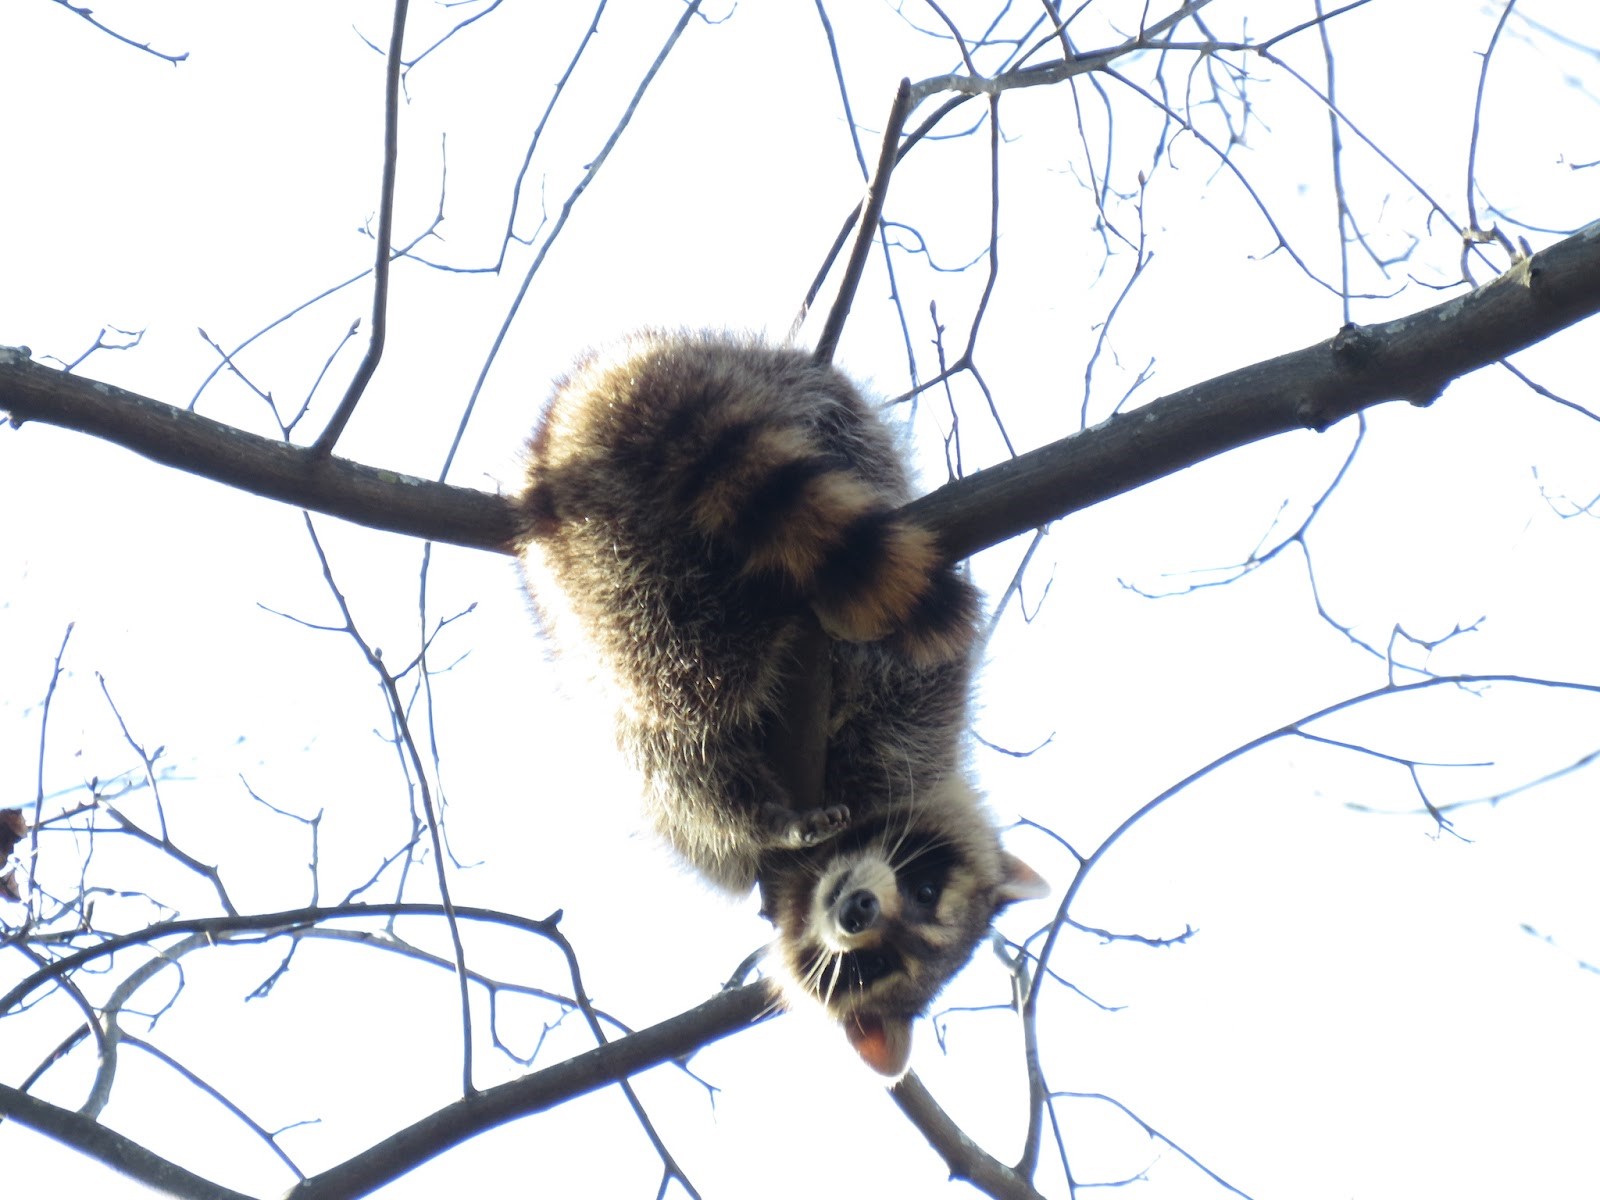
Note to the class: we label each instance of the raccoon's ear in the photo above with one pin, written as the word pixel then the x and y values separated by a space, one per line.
pixel 884 1043
pixel 1021 882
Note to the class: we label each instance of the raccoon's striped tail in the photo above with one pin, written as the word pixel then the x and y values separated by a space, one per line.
pixel 795 512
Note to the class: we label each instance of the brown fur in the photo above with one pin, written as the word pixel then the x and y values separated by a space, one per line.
pixel 689 497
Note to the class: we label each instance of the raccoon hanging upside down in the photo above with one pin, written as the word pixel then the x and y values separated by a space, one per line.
pixel 691 498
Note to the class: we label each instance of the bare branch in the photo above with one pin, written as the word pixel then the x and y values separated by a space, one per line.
pixel 725 1013
pixel 690 10
pixel 257 924
pixel 109 1147
pixel 385 238
pixel 1411 358
pixel 1053 72
pixel 965 1158
pixel 371 496
pixel 87 13
pixel 872 209
pixel 44 740
pixel 1296 728
pixel 1473 233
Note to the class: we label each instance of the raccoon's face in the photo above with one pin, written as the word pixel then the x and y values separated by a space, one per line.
pixel 874 925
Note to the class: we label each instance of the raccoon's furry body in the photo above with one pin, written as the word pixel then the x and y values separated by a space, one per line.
pixel 690 498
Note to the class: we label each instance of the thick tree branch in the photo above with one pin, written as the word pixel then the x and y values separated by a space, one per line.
pixel 403 1151
pixel 966 1159
pixel 677 1037
pixel 175 437
pixel 1412 358
pixel 93 1139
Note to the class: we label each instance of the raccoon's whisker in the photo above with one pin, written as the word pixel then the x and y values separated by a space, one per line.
pixel 833 979
pixel 816 970
pixel 892 853
pixel 811 980
pixel 827 974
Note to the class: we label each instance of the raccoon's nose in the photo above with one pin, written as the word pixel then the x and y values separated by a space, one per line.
pixel 859 912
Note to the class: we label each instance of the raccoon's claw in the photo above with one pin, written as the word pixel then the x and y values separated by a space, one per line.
pixel 796 830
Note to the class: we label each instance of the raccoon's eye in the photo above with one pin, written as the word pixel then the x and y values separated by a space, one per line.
pixel 922 899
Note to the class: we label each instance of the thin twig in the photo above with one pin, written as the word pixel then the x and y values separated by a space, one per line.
pixel 1472 231
pixel 867 227
pixel 323 446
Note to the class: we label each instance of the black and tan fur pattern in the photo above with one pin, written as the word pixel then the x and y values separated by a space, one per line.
pixel 689 498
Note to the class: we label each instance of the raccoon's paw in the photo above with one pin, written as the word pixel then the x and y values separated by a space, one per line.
pixel 792 830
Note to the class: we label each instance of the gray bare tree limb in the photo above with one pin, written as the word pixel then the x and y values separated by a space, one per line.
pixel 677 1037
pixel 1412 358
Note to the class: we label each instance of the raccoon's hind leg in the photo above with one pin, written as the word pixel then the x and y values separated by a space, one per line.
pixel 791 830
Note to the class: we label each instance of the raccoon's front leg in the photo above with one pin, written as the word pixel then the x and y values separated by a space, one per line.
pixel 787 829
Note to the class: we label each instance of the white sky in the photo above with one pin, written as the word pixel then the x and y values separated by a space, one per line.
pixel 1360 1013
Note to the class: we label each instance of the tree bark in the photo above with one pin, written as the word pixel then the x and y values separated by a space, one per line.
pixel 1412 358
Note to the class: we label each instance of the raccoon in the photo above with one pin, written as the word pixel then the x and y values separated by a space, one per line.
pixel 693 501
